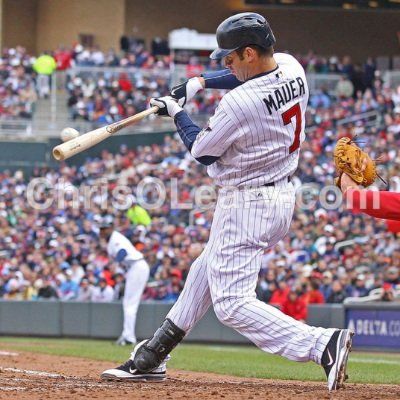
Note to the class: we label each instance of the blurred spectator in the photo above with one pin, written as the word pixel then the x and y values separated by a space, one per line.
pixel 69 288
pixel 313 295
pixel 326 285
pixel 124 83
pixel 119 287
pixel 360 289
pixel 338 295
pixel 44 65
pixel 295 306
pixel 388 293
pixel 103 292
pixel 369 72
pixel 63 58
pixel 47 291
pixel 77 271
pixel 28 292
pixel 344 88
pixel 393 276
pixel 281 293
pixel 86 290
pixel 194 68
pixel 138 215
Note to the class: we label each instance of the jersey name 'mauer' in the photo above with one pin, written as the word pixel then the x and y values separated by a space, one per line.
pixel 258 128
pixel 289 91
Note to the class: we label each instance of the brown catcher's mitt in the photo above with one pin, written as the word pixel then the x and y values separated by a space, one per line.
pixel 349 160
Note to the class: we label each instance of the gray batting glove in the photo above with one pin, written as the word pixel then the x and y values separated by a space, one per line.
pixel 186 91
pixel 168 107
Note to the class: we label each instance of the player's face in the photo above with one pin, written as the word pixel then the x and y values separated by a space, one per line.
pixel 239 67
pixel 233 62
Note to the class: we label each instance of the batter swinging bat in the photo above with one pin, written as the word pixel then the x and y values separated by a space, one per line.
pixel 81 143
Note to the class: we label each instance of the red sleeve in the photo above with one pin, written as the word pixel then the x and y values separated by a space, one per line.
pixel 385 205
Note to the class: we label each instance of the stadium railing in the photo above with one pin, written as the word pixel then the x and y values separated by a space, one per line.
pixel 41 128
pixel 374 295
pixel 132 73
pixel 178 74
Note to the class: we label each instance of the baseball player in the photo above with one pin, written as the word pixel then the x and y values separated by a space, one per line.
pixel 251 146
pixel 120 249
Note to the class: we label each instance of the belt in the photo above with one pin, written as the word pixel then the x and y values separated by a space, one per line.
pixel 273 183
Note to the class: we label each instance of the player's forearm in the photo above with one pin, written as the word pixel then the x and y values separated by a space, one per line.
pixel 385 205
pixel 223 79
pixel 188 132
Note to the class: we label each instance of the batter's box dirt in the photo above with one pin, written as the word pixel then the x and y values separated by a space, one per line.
pixel 39 376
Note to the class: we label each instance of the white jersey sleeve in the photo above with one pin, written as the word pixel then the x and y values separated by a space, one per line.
pixel 218 134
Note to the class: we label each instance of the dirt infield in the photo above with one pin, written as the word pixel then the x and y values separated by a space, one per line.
pixel 39 376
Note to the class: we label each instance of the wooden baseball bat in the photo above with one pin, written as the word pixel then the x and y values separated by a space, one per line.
pixel 83 142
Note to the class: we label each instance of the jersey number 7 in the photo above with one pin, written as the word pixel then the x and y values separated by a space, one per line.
pixel 287 118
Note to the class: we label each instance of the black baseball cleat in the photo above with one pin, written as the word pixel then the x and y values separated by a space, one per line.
pixel 128 371
pixel 335 356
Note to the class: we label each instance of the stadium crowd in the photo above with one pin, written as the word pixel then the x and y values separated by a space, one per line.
pixel 111 97
pixel 17 84
pixel 24 78
pixel 55 252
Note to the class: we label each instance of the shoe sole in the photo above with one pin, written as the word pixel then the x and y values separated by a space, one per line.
pixel 138 378
pixel 344 348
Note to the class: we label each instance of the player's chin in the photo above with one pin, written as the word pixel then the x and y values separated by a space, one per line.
pixel 238 77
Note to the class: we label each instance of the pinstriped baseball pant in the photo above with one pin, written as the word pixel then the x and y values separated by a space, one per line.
pixel 225 275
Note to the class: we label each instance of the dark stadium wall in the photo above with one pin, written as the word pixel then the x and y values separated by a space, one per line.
pixel 62 21
pixel 45 24
pixel 19 20
pixel 341 32
pixel 150 19
pixel 358 34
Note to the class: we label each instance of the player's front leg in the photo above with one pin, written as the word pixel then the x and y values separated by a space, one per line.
pixel 148 361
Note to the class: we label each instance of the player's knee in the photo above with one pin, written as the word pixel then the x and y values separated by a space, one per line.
pixel 224 312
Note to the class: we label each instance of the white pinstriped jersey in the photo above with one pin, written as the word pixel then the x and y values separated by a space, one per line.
pixel 258 127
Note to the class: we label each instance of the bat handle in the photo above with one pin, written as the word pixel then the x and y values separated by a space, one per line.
pixel 117 126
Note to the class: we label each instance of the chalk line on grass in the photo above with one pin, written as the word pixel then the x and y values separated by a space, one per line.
pixel 7 353
pixel 27 371
pixel 374 361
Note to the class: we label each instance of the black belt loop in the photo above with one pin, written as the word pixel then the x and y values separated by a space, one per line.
pixel 269 184
pixel 273 183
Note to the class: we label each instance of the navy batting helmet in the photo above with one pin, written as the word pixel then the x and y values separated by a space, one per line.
pixel 241 30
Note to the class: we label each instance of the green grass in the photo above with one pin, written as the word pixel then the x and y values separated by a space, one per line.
pixel 244 361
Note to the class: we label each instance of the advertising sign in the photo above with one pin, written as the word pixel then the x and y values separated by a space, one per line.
pixel 375 328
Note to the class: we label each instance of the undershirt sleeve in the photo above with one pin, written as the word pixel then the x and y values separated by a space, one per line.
pixel 223 79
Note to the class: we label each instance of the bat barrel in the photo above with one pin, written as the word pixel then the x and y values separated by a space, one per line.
pixel 83 142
